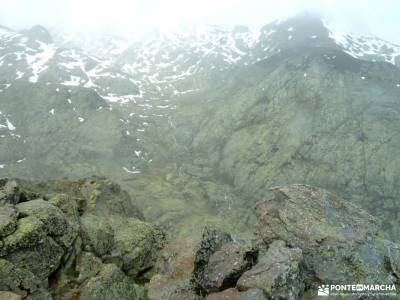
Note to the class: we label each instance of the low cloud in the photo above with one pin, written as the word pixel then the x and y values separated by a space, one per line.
pixel 138 16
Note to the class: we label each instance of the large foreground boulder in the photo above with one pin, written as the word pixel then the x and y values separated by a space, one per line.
pixel 340 241
pixel 136 245
pixel 41 237
pixel 203 263
pixel 175 266
pixel 97 234
pixel 225 266
pixel 277 273
pixel 36 239
pixel 13 278
pixel 57 224
pixel 78 239
pixel 212 241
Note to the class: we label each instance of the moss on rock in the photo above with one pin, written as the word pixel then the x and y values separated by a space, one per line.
pixel 97 234
pixel 109 284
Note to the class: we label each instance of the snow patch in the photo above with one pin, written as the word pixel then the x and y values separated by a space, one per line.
pixel 38 62
pixel 10 126
pixel 74 81
pixel 132 171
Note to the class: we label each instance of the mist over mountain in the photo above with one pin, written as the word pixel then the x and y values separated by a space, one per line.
pixel 75 106
pixel 198 124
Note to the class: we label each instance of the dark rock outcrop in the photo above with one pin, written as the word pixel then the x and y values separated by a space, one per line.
pixel 225 266
pixel 340 241
pixel 198 265
pixel 174 267
pixel 212 240
pixel 277 273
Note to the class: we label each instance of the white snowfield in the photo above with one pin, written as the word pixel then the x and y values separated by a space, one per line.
pixel 38 61
pixel 157 66
pixel 366 47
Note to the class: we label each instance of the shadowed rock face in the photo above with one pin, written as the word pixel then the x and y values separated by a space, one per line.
pixel 225 266
pixel 277 273
pixel 198 265
pixel 174 267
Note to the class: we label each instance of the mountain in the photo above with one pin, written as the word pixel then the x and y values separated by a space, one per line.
pixel 198 124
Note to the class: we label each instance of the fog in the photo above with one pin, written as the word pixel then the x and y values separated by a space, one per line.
pixel 136 17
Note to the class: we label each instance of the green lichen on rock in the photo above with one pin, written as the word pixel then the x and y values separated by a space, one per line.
pixel 136 245
pixel 56 223
pixel 5 295
pixel 87 266
pixel 104 197
pixel 17 280
pixel 42 259
pixel 8 220
pixel 29 232
pixel 109 284
pixel 97 234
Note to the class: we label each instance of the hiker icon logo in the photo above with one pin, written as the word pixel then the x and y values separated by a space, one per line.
pixel 323 290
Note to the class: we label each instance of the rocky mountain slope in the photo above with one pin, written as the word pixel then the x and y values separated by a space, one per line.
pixel 85 240
pixel 199 124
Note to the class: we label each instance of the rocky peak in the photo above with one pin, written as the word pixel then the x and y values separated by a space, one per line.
pixel 302 30
pixel 39 33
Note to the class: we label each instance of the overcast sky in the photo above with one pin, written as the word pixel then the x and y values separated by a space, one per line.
pixel 137 16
